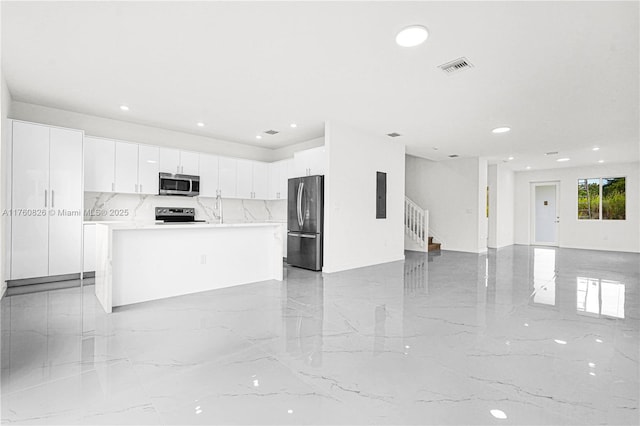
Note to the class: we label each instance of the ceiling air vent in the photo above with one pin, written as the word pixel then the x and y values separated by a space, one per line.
pixel 272 132
pixel 454 156
pixel 551 153
pixel 393 135
pixel 456 66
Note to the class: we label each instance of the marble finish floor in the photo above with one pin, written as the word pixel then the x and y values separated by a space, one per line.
pixel 522 335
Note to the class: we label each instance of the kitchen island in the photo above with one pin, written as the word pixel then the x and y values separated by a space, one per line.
pixel 141 262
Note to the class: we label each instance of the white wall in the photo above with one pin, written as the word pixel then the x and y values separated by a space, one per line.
pixel 353 236
pixel 5 167
pixel 116 129
pixel 614 235
pixel 454 193
pixel 288 151
pixel 501 192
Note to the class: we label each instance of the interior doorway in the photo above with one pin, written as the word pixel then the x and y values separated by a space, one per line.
pixel 544 214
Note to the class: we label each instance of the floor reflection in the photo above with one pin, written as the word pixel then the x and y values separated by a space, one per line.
pixel 600 297
pixel 544 276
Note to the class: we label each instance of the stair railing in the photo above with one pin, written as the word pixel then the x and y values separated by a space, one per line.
pixel 416 222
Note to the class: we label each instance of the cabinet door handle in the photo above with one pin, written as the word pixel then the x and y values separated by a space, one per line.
pixel 45 198
pixel 113 186
pixel 53 200
pixel 140 188
pixel 136 187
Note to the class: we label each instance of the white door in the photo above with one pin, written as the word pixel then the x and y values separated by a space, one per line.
pixel 126 167
pixel 148 157
pixel 260 180
pixel 189 163
pixel 99 163
pixel 208 175
pixel 65 226
pixel 545 214
pixel 30 193
pixel 169 160
pixel 244 188
pixel 227 172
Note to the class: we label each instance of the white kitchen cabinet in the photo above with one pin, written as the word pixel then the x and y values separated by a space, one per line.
pixel 89 247
pixel 169 160
pixel 209 182
pixel 46 228
pixel 148 157
pixel 278 179
pixel 244 185
pixel 99 163
pixel 126 165
pixel 227 173
pixel 260 178
pixel 189 163
pixel 252 180
pixel 310 162
pixel 181 162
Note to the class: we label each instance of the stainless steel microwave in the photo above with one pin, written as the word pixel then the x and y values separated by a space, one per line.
pixel 175 184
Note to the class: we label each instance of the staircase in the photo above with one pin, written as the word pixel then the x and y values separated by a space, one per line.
pixel 416 228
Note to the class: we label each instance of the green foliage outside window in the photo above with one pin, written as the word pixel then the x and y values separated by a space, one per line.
pixel 602 199
pixel 613 198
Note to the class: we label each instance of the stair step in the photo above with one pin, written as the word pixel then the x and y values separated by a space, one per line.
pixel 434 246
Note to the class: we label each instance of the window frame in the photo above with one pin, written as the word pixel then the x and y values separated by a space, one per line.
pixel 600 218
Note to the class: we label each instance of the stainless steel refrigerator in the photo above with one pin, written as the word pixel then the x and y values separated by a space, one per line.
pixel 305 222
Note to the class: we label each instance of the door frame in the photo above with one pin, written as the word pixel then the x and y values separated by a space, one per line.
pixel 532 213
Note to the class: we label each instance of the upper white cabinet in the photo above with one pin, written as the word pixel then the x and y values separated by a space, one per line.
pixel 176 161
pixel 209 179
pixel 126 165
pixel 99 160
pixel 252 180
pixel 260 180
pixel 148 158
pixel 189 163
pixel 279 174
pixel 227 172
pixel 310 162
pixel 47 186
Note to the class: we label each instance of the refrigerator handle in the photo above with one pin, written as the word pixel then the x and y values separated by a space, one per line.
pixel 300 217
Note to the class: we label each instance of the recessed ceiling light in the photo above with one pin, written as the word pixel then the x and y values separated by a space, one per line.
pixel 200 124
pixel 412 36
pixel 560 342
pixel 293 125
pixel 600 161
pixel 562 160
pixel 528 167
pixel 511 158
pixel 595 148
pixel 498 414
pixel 501 129
pixel 258 137
pixel 124 107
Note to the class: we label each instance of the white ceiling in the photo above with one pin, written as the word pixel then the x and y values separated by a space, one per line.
pixel 563 75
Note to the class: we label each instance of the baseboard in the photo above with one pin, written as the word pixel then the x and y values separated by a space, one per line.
pixel 42 280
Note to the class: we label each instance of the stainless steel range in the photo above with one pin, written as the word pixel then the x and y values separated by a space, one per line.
pixel 177 214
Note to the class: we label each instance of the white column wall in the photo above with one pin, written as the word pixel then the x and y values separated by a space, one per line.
pixel 5 184
pixel 353 236
pixel 501 192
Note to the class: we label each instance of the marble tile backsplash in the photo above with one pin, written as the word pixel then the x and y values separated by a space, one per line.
pixel 106 206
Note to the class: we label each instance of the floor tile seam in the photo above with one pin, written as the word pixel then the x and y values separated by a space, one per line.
pixel 49 382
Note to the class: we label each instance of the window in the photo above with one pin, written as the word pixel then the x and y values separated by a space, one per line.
pixel 601 199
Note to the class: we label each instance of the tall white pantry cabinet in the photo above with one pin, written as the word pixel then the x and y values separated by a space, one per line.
pixel 46 201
